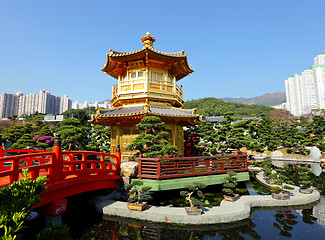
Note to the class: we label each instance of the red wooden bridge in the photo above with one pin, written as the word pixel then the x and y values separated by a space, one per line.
pixel 68 172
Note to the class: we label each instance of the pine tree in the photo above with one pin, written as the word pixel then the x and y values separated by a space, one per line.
pixel 153 141
pixel 229 187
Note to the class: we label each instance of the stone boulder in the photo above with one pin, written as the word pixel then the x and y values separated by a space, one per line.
pixel 129 169
pixel 315 153
pixel 277 154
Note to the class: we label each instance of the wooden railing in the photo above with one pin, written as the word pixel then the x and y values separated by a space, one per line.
pixel 168 168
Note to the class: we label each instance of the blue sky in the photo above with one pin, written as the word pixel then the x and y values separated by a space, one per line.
pixel 237 48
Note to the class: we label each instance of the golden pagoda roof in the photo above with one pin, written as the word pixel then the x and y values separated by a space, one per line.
pixel 110 116
pixel 175 62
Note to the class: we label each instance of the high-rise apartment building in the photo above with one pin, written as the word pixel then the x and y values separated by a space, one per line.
pixel 9 104
pixel 43 103
pixel 106 104
pixel 306 92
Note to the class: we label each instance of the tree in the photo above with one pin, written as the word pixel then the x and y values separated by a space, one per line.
pixel 281 180
pixel 25 142
pixel 83 115
pixel 282 117
pixel 304 177
pixel 210 138
pixel 229 187
pixel 194 190
pixel 100 139
pixel 267 166
pixel 136 194
pixel 16 132
pixel 153 141
pixel 73 134
pixel 233 135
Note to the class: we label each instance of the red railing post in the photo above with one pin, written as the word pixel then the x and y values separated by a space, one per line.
pixel 57 161
pixel 118 154
pixel 158 168
pixel 1 153
pixel 139 160
pixel 245 159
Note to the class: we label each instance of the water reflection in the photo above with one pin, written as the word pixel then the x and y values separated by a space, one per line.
pixel 319 211
pixel 127 229
pixel 299 222
pixel 285 222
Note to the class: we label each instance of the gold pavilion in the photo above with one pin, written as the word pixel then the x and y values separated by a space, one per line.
pixel 146 87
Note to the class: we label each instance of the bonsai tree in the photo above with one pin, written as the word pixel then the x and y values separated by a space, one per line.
pixel 229 187
pixel 191 192
pixel 153 141
pixel 281 180
pixel 136 194
pixel 267 166
pixel 303 177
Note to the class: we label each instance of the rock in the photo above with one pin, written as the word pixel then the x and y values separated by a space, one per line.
pixel 315 153
pixel 277 154
pixel 263 155
pixel 129 169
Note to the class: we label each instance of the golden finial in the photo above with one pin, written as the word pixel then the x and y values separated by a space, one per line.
pixel 148 40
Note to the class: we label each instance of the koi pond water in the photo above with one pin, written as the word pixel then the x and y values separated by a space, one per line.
pixel 299 222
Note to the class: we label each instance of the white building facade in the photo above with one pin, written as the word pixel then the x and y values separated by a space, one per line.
pixel 106 104
pixel 306 92
pixel 43 102
pixel 9 104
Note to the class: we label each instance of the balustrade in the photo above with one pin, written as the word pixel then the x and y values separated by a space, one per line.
pixel 168 168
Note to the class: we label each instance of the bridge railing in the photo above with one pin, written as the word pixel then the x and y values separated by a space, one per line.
pixel 57 165
pixel 77 163
pixel 39 163
pixel 168 168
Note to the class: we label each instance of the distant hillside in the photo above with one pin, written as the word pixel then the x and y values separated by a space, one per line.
pixel 107 100
pixel 216 107
pixel 268 99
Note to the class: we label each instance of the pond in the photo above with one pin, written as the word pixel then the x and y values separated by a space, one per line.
pixel 300 222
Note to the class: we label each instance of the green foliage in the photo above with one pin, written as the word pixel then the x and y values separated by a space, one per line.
pixel 100 139
pixel 14 133
pixel 83 115
pixel 136 193
pixel 25 142
pixel 73 134
pixel 282 178
pixel 289 150
pixel 304 177
pixel 15 201
pixel 153 141
pixel 194 195
pixel 214 107
pixel 54 232
pixel 229 186
pixel 267 167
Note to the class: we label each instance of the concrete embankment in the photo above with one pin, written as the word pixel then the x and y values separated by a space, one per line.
pixel 225 213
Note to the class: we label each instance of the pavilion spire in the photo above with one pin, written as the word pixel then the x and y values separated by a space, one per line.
pixel 148 40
